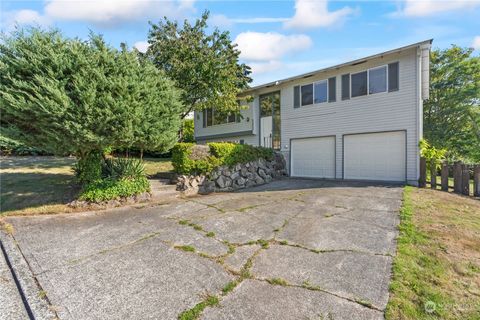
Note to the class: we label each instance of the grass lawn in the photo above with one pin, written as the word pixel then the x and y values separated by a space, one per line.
pixel 436 273
pixel 156 165
pixel 36 185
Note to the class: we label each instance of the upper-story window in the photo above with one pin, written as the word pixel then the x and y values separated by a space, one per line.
pixel 371 81
pixel 313 93
pixel 213 118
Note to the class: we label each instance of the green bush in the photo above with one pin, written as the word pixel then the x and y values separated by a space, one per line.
pixel 109 189
pixel 188 158
pixel 123 168
pixel 184 161
pixel 89 167
pixel 231 153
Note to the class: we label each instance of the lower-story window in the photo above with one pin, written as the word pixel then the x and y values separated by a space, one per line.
pixel 212 117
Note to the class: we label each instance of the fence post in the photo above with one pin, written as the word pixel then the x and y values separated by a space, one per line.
pixel 465 180
pixel 444 176
pixel 422 181
pixel 457 177
pixel 433 174
pixel 476 180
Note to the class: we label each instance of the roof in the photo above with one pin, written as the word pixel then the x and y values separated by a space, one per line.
pixel 338 66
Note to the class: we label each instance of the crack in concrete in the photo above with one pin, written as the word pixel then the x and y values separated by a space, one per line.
pixel 317 288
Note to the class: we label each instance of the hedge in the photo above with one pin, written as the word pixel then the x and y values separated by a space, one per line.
pixel 189 158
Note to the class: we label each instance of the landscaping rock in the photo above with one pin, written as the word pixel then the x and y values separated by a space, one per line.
pixel 239 176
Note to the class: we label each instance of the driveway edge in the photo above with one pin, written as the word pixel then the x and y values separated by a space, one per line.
pixel 37 307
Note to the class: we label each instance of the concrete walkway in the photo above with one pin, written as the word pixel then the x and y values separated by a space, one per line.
pixel 293 249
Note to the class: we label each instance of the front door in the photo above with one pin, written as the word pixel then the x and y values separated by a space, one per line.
pixel 270 123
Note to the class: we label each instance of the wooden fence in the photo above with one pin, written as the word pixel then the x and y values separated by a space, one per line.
pixel 462 178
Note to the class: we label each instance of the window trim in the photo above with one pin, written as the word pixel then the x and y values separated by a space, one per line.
pixel 313 93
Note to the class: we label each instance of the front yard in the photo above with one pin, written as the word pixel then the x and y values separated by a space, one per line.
pixel 436 271
pixel 37 185
pixel 437 268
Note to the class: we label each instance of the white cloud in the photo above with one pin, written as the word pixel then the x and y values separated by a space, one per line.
pixel 24 17
pixel 113 11
pixel 141 46
pixel 311 14
pixel 257 46
pixel 416 8
pixel 476 43
pixel 263 67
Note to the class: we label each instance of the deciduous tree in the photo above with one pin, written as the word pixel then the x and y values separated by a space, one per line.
pixel 204 65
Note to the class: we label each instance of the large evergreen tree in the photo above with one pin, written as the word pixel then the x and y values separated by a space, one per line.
pixel 69 96
pixel 205 66
pixel 452 114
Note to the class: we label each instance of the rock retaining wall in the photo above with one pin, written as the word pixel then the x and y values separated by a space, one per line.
pixel 240 176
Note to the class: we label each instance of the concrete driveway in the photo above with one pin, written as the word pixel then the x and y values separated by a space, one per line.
pixel 293 249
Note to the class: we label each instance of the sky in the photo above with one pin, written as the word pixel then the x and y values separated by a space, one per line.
pixel 278 39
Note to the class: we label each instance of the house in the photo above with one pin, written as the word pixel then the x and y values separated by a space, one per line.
pixel 360 120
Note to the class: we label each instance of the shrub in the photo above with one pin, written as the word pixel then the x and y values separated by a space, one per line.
pixel 232 153
pixel 89 167
pixel 109 189
pixel 122 168
pixel 188 158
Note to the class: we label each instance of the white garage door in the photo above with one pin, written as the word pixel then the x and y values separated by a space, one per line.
pixel 313 157
pixel 375 156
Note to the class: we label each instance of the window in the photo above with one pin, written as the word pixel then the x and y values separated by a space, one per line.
pixel 377 80
pixel 320 90
pixel 307 94
pixel 393 79
pixel 359 84
pixel 346 86
pixel 332 89
pixel 212 118
pixel 209 115
pixel 371 81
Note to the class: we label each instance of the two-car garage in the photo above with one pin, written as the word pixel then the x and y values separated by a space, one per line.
pixel 366 156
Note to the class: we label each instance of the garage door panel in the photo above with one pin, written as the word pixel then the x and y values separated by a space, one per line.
pixel 313 157
pixel 375 156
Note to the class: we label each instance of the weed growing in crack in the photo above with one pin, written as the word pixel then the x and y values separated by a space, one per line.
pixel 278 282
pixel 195 312
pixel 229 287
pixel 263 243
pixel 364 303
pixel 196 226
pixel 185 248
pixel 251 242
pixel 183 222
pixel 315 251
pixel 210 234
pixel 307 285
pixel 231 247
pixel 284 242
